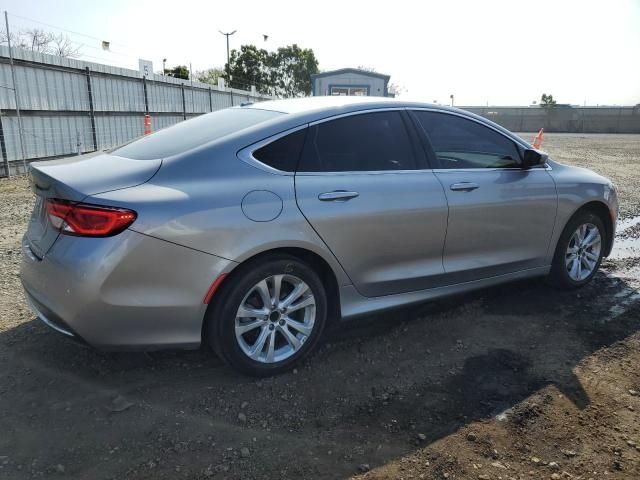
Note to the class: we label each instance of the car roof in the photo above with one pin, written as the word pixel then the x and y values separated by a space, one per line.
pixel 310 109
pixel 328 103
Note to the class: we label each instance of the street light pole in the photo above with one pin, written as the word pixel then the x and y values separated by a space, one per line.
pixel 228 64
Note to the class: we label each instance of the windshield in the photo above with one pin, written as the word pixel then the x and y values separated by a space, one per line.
pixel 192 133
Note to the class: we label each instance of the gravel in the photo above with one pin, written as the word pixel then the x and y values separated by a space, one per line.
pixel 564 367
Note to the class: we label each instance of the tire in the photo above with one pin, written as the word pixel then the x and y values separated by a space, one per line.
pixel 566 264
pixel 287 334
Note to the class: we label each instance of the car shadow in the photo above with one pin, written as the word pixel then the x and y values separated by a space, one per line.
pixel 373 386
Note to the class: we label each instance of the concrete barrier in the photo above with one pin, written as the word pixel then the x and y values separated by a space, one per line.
pixel 564 119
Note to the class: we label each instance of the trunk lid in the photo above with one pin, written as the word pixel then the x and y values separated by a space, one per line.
pixel 74 179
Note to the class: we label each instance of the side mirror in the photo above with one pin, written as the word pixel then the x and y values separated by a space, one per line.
pixel 533 158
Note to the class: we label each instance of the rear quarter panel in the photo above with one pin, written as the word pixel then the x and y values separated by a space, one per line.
pixel 126 291
pixel 197 201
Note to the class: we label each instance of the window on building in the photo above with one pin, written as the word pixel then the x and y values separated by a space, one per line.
pixel 349 91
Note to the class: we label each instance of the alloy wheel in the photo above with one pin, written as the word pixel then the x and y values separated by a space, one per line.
pixel 275 318
pixel 583 252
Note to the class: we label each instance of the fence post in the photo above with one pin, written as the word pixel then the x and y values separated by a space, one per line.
pixel 184 104
pixel 146 98
pixel 92 113
pixel 231 93
pixel 210 101
pixel 15 93
pixel 78 143
pixel 3 148
pixel 619 120
pixel 521 120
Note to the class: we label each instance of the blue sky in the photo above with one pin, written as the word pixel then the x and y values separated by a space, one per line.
pixel 496 52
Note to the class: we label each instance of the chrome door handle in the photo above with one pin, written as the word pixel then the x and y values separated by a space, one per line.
pixel 464 187
pixel 338 195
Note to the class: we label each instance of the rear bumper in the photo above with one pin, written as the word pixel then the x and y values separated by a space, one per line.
pixel 130 291
pixel 49 318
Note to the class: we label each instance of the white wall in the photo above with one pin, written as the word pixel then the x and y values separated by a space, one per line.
pixel 322 84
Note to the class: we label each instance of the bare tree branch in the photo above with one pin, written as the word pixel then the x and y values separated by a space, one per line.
pixel 41 41
pixel 62 46
pixel 38 39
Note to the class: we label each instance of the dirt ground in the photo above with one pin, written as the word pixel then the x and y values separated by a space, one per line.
pixel 515 382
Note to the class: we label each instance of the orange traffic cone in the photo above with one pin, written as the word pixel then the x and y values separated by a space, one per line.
pixel 537 142
pixel 147 124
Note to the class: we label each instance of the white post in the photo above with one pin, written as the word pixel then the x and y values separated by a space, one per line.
pixel 193 104
pixel 15 91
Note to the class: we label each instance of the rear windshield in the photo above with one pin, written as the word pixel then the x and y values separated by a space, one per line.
pixel 192 133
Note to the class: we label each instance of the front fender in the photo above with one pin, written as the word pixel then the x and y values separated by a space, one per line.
pixel 579 188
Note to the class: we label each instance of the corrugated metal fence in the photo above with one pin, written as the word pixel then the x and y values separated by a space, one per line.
pixel 69 106
pixel 564 119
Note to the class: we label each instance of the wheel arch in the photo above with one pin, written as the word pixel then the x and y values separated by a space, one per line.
pixel 601 210
pixel 314 260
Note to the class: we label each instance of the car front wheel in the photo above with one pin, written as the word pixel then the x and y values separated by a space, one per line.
pixel 579 251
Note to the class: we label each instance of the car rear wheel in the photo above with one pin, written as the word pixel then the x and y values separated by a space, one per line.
pixel 579 251
pixel 268 316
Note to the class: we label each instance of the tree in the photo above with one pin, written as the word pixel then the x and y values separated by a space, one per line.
pixel 291 71
pixel 63 47
pixel 250 66
pixel 395 89
pixel 284 73
pixel 41 41
pixel 210 75
pixel 36 40
pixel 180 71
pixel 547 100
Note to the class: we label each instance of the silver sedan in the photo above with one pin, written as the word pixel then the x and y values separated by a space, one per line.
pixel 249 229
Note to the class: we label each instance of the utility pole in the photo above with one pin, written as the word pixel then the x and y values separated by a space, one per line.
pixel 451 96
pixel 15 93
pixel 228 64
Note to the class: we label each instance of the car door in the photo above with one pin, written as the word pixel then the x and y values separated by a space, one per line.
pixel 501 216
pixel 363 186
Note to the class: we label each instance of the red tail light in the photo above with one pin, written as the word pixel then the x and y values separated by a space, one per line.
pixel 88 220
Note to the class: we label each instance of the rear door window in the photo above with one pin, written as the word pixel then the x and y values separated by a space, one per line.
pixel 363 142
pixel 462 143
